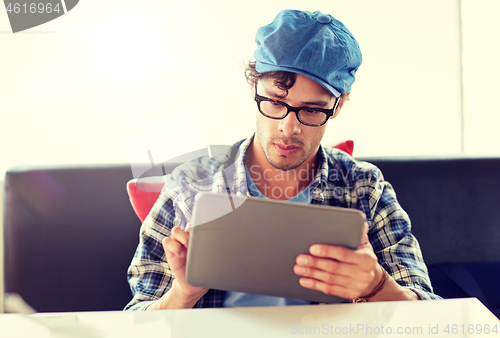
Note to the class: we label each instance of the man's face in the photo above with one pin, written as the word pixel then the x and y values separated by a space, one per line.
pixel 287 143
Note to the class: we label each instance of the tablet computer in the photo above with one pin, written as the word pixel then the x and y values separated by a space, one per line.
pixel 249 245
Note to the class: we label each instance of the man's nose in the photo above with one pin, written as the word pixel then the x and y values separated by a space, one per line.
pixel 290 125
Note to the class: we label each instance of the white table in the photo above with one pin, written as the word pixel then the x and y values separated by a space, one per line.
pixel 442 318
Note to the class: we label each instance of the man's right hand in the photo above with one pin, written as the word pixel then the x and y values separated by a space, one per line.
pixel 181 295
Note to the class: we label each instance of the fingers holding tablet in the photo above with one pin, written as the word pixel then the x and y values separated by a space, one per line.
pixel 339 270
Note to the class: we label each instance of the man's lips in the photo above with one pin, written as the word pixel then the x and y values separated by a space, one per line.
pixel 284 149
pixel 284 146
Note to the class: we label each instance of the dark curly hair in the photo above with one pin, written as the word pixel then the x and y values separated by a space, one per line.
pixel 283 80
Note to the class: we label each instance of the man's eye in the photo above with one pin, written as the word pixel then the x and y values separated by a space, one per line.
pixel 276 104
pixel 311 111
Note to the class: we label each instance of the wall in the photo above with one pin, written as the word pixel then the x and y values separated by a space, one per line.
pixel 76 89
pixel 481 71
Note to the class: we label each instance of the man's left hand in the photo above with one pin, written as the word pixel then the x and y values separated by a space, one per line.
pixel 340 271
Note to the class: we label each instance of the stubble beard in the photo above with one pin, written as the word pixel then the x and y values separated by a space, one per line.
pixel 285 165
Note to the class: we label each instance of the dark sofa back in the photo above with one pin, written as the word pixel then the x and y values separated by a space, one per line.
pixel 454 205
pixel 70 234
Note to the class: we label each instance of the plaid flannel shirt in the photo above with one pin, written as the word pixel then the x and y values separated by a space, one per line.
pixel 340 181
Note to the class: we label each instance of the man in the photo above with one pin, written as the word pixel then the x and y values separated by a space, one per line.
pixel 304 69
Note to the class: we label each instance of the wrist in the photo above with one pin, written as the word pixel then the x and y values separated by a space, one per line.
pixel 176 298
pixel 187 298
pixel 382 281
pixel 391 291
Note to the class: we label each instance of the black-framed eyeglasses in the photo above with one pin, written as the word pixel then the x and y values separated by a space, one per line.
pixel 277 110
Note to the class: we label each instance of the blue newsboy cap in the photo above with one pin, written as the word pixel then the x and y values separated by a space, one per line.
pixel 315 45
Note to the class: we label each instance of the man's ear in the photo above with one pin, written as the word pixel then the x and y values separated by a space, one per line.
pixel 342 98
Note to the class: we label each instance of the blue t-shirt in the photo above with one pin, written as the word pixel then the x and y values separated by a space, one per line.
pixel 237 299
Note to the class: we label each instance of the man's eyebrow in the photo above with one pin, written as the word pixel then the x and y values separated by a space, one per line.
pixel 306 103
pixel 275 95
pixel 315 103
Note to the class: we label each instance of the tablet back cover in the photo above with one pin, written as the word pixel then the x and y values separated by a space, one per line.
pixel 250 245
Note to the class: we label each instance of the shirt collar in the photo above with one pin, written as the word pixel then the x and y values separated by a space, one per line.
pixel 320 181
pixel 235 173
pixel 318 185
